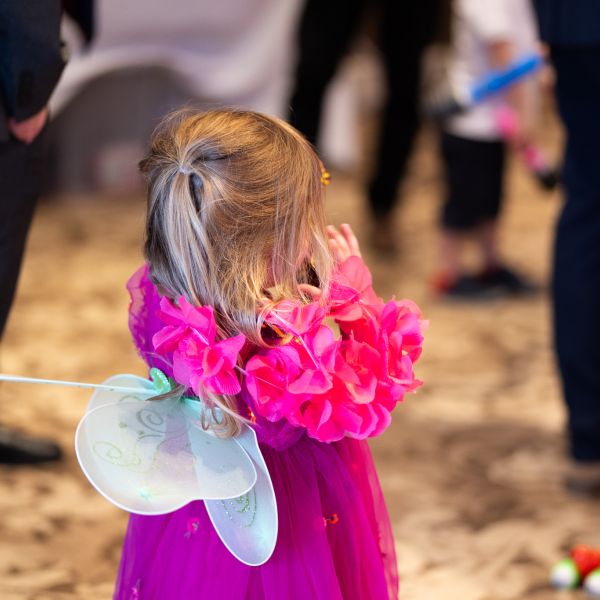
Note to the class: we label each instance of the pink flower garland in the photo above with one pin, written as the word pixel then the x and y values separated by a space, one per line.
pixel 332 387
pixel 339 387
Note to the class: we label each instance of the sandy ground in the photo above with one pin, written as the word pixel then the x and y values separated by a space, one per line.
pixel 471 466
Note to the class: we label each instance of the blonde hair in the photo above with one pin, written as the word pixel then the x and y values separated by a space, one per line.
pixel 235 219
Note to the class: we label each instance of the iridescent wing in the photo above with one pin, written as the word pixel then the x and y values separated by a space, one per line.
pixel 152 457
pixel 247 525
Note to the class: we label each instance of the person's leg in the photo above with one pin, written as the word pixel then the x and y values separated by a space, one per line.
pixel 489 173
pixel 450 251
pixel 495 275
pixel 576 278
pixel 456 220
pixel 487 236
pixel 327 28
pixel 461 213
pixel 20 174
pixel 406 29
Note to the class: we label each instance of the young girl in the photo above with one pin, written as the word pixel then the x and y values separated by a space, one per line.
pixel 236 222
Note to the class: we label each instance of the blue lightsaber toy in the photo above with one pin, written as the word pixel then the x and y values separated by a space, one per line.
pixel 455 101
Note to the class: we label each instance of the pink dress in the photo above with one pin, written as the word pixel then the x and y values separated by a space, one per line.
pixel 335 539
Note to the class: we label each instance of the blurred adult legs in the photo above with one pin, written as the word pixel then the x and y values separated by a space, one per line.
pixel 327 29
pixel 326 32
pixel 406 28
pixel 20 175
pixel 576 284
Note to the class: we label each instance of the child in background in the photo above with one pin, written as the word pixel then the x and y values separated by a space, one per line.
pixel 236 222
pixel 487 35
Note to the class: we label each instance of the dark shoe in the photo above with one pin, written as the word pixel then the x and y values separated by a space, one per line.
pixel 464 287
pixel 508 281
pixel 19 449
pixel 583 479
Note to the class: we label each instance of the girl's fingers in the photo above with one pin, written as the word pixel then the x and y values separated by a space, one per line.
pixel 350 239
pixel 338 253
pixel 334 234
pixel 343 243
pixel 336 242
pixel 310 290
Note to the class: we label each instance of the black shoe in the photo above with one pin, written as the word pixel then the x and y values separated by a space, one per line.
pixel 465 287
pixel 506 280
pixel 19 449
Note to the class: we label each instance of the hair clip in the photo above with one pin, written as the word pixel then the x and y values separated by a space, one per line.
pixel 325 176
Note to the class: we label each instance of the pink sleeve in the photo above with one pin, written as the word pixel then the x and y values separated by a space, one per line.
pixel 143 319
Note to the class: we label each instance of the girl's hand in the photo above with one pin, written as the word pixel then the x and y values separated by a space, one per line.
pixel 311 291
pixel 26 131
pixel 343 243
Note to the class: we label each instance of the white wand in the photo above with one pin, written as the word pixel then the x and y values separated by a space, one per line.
pixel 79 384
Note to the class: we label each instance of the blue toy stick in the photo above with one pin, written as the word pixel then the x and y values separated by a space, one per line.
pixel 497 81
pixel 459 100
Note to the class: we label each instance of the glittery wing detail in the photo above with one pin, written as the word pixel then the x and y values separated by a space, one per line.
pixel 152 457
pixel 247 525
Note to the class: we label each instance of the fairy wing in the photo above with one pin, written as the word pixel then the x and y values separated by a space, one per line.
pixel 101 396
pixel 152 457
pixel 248 524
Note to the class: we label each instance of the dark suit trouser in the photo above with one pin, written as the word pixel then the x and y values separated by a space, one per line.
pixel 576 282
pixel 20 175
pixel 326 32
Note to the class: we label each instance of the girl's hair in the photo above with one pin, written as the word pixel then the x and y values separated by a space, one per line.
pixel 235 219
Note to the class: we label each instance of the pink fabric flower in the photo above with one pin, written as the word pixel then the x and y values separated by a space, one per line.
pixel 268 377
pixel 181 320
pixel 404 318
pixel 296 318
pixel 208 366
pixel 199 362
pixel 353 302
pixel 354 273
pixel 351 289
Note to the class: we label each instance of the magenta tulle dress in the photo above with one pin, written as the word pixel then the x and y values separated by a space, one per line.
pixel 335 539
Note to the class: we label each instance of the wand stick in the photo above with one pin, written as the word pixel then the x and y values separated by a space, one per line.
pixel 79 384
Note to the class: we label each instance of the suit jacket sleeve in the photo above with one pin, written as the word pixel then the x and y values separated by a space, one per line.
pixel 31 54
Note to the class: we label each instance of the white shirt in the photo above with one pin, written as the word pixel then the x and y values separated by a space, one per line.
pixel 477 24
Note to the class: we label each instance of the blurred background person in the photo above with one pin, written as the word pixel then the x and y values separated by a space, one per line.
pixel 572 31
pixel 31 61
pixel 327 30
pixel 486 35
